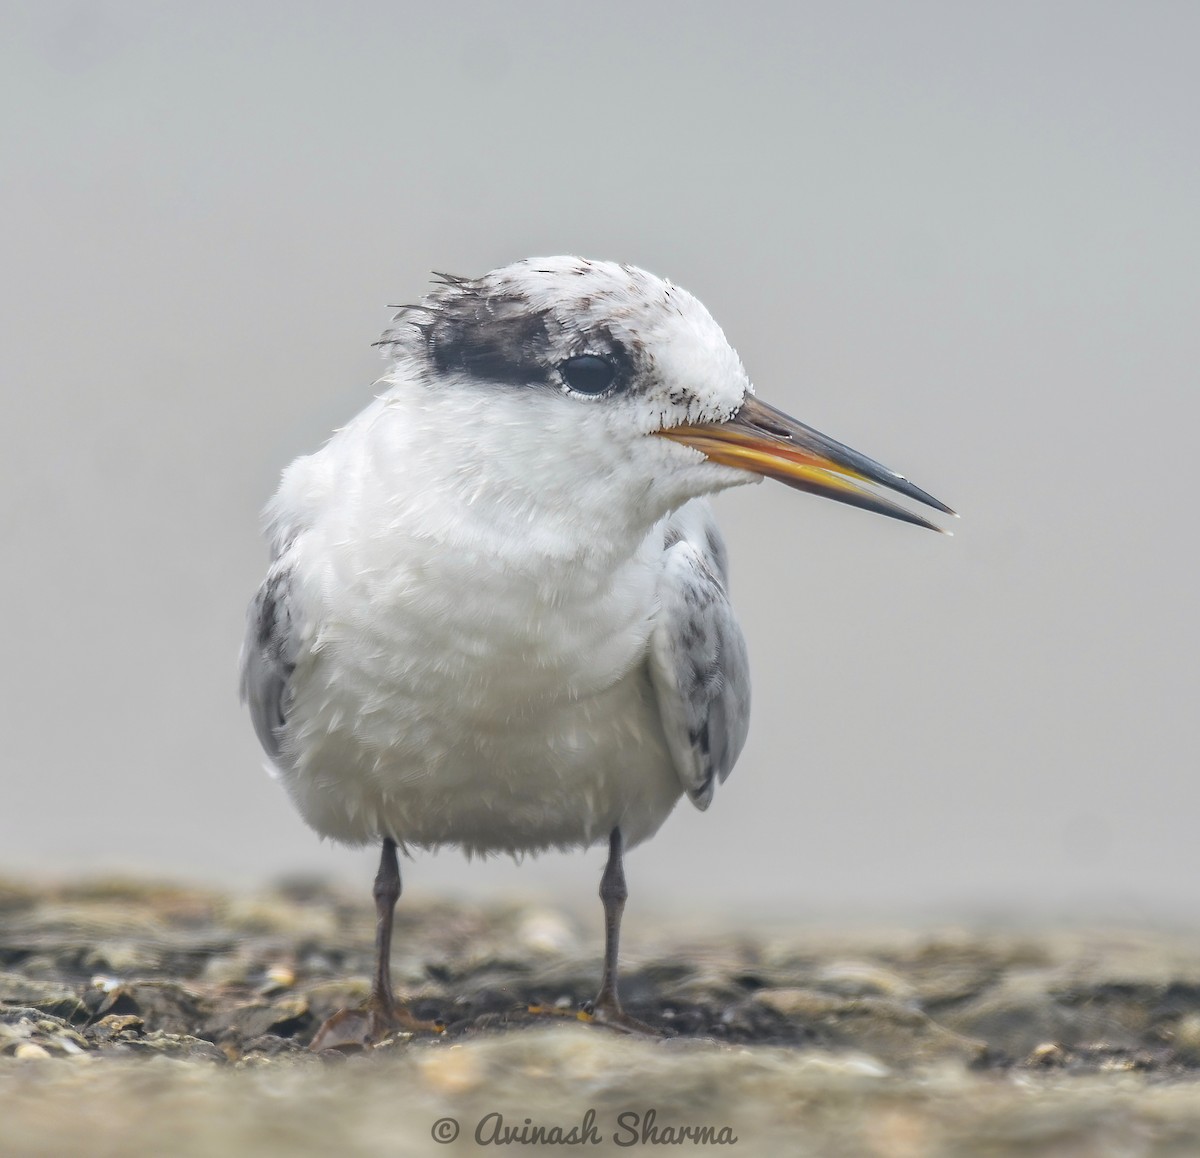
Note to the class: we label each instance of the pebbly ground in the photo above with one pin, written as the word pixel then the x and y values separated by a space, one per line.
pixel 137 1019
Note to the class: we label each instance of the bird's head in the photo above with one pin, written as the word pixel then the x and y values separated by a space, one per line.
pixel 609 367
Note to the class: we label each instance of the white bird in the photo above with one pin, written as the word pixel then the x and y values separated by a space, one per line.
pixel 496 614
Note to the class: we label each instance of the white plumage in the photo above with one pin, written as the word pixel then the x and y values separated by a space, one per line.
pixel 467 579
pixel 496 615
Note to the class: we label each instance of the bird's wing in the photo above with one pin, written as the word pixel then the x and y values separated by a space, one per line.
pixel 269 656
pixel 698 664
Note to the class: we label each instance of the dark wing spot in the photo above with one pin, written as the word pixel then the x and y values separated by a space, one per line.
pixel 274 621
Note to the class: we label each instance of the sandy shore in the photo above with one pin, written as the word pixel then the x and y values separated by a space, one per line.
pixel 150 1020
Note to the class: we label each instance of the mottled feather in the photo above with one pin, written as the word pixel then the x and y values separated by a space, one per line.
pixel 269 657
pixel 698 662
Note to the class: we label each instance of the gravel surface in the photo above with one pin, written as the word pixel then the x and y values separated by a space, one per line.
pixel 137 1019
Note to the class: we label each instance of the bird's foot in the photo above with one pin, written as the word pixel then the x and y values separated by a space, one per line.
pixel 612 1015
pixel 606 1010
pixel 365 1028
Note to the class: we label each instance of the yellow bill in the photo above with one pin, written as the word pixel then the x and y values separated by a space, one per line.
pixel 764 440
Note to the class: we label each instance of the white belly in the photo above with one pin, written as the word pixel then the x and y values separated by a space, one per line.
pixel 478 709
pixel 564 778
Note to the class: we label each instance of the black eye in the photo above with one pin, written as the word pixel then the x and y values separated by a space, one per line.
pixel 588 374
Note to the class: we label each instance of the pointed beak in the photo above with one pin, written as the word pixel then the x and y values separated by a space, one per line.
pixel 766 441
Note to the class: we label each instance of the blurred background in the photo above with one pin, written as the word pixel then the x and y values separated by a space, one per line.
pixel 965 239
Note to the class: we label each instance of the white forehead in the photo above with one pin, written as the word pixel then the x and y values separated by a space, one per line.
pixel 663 320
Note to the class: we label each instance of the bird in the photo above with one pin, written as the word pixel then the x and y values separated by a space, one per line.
pixel 496 614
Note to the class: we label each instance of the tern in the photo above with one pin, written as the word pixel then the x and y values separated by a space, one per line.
pixel 496 614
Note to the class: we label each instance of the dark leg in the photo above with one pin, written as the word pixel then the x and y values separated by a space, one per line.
pixel 349 1028
pixel 387 893
pixel 613 893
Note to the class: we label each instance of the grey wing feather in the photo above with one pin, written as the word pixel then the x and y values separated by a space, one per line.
pixel 698 663
pixel 269 657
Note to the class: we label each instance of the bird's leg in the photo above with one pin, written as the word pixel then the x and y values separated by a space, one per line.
pixel 606 1009
pixel 613 895
pixel 387 893
pixel 382 1014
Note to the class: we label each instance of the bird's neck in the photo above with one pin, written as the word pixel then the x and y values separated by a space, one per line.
pixel 483 564
pixel 500 492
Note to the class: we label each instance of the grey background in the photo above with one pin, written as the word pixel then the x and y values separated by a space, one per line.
pixel 961 237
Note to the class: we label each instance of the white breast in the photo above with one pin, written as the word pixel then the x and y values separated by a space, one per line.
pixel 467 675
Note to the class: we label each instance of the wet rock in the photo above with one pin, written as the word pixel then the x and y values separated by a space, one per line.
pixel 167 1005
pixel 37 993
pixel 176 1045
pixel 1019 1014
pixel 116 1026
pixel 118 963
pixel 272 1045
pixel 864 979
pixel 21 1025
pixel 283 1018
pixel 897 1032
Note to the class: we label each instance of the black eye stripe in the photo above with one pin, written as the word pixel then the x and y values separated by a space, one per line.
pixel 498 340
pixel 588 373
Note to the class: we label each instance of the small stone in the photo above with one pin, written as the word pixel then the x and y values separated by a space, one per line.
pixel 1048 1054
pixel 278 977
pixel 809 1004
pixel 116 1023
pixel 271 1045
pixel 31 1050
pixel 1187 1038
